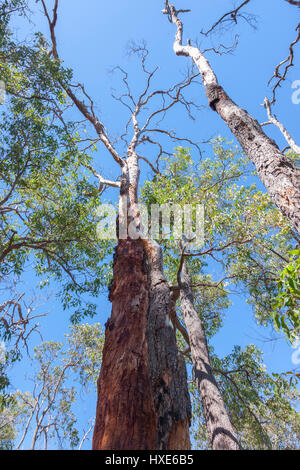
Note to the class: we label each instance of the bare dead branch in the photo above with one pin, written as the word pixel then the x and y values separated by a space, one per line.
pixel 86 434
pixel 87 111
pixel 142 133
pixel 210 250
pixel 231 17
pixel 273 119
pixel 103 181
pixel 17 319
pixel 172 135
pixel 289 61
pixel 222 49
pixel 155 170
pixel 52 24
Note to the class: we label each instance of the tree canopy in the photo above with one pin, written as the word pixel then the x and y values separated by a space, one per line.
pixel 52 199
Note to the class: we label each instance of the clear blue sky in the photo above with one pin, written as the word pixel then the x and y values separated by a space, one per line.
pixel 92 38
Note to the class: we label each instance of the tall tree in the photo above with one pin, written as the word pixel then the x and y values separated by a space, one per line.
pixel 278 173
pixel 220 429
pixel 140 357
pixel 45 216
pixel 250 241
pixel 43 417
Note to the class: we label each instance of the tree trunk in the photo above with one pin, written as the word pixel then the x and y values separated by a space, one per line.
pixel 125 417
pixel 221 432
pixel 278 173
pixel 167 369
pixel 143 401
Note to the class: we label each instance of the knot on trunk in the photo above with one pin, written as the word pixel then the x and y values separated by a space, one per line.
pixel 213 93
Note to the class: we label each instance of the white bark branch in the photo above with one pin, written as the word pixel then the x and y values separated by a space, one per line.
pixel 273 119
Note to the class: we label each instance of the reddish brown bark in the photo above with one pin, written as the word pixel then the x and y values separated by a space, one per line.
pixel 142 388
pixel 126 417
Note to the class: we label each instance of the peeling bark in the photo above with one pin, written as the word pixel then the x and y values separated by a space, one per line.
pixel 278 173
pixel 125 416
pixel 167 368
pixel 143 401
pixel 221 432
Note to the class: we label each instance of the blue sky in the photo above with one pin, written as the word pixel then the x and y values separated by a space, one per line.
pixel 93 37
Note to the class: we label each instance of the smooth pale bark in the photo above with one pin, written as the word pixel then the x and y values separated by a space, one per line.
pixel 221 432
pixel 283 130
pixel 277 172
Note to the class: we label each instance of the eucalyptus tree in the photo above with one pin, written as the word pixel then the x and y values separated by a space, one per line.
pixel 140 357
pixel 262 407
pixel 277 171
pixel 43 416
pixel 45 216
pixel 247 243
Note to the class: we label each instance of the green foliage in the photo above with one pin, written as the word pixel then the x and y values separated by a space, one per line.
pixel 287 304
pixel 46 217
pixel 8 417
pixel 46 413
pixel 247 242
pixel 246 238
pixel 261 405
pixel 293 156
pixel 7 360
